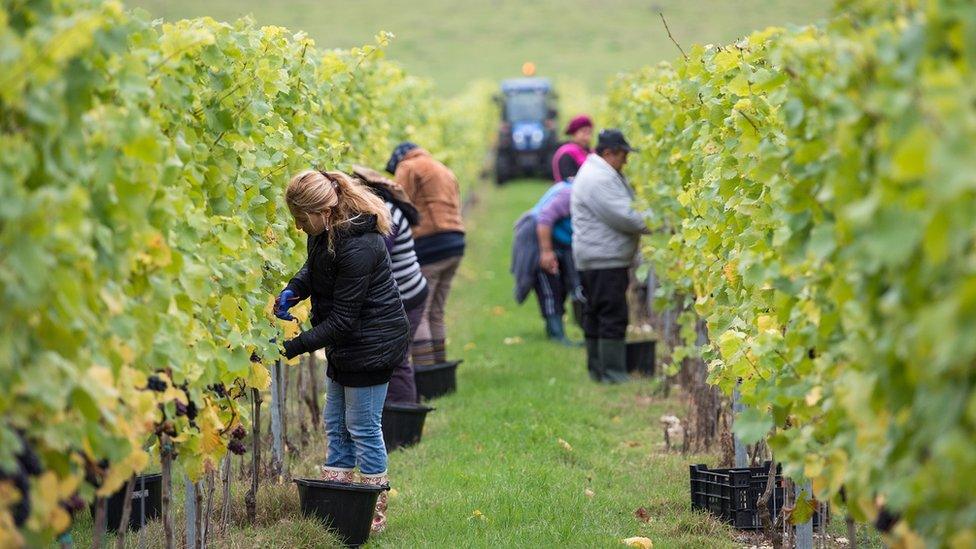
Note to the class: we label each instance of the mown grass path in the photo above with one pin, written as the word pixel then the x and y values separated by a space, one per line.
pixel 491 470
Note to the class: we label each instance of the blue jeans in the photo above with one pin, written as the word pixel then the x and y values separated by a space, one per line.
pixel 353 417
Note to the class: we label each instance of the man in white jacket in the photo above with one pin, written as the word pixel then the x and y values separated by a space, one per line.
pixel 606 234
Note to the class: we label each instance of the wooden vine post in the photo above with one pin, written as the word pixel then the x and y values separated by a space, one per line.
pixel 763 508
pixel 166 458
pixel 250 499
pixel 191 510
pixel 741 456
pixel 208 510
pixel 126 513
pixel 198 503
pixel 226 472
pixel 277 420
pixel 804 532
pixel 312 395
pixel 301 386
pixel 98 535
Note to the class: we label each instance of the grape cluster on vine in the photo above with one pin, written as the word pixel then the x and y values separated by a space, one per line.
pixel 156 384
pixel 236 447
pixel 189 410
pixel 28 465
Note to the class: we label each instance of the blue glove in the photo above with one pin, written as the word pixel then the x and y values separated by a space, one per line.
pixel 285 300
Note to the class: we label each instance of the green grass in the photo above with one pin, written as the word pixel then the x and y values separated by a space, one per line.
pixel 457 42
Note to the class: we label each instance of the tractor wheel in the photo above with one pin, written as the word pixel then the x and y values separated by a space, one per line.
pixel 504 169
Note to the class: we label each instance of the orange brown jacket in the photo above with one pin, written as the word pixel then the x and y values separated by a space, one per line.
pixel 433 189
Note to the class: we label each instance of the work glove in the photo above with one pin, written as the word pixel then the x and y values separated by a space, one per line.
pixel 285 300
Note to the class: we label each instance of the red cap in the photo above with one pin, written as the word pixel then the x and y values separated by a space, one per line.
pixel 578 122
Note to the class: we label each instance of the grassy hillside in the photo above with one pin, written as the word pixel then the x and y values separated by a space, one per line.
pixel 455 42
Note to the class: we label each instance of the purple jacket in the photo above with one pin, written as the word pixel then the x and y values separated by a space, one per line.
pixel 553 211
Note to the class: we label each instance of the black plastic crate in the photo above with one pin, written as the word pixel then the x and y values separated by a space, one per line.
pixel 733 494
pixel 640 357
pixel 436 380
pixel 147 497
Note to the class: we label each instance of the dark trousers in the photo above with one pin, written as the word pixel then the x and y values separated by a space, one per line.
pixel 403 388
pixel 551 289
pixel 605 309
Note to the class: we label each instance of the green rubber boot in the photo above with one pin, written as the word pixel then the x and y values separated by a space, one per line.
pixel 613 355
pixel 557 332
pixel 593 364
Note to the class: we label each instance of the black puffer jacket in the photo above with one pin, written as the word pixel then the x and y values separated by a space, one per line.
pixel 357 315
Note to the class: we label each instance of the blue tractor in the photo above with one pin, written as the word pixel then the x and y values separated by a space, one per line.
pixel 527 133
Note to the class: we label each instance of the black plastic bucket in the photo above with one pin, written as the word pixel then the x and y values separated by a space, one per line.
pixel 346 509
pixel 147 500
pixel 640 357
pixel 436 380
pixel 403 424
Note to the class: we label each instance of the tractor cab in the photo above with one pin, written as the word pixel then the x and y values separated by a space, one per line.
pixel 527 131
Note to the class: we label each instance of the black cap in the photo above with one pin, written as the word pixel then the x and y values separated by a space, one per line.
pixel 613 139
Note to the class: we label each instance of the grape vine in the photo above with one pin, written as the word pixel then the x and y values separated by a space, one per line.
pixel 813 190
pixel 143 231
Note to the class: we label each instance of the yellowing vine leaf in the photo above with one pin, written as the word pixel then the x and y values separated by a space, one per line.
pixel 45 500
pixel 210 426
pixel 814 395
pixel 171 393
pixel 228 308
pixel 767 323
pixel 9 536
pixel 259 377
pixel 120 471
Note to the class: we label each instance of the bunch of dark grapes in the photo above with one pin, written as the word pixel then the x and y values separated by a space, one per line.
pixel 218 389
pixel 29 461
pixel 189 410
pixel 21 510
pixel 28 465
pixel 236 447
pixel 239 432
pixel 156 384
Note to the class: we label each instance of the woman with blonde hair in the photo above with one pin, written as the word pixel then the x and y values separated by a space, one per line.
pixel 357 317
